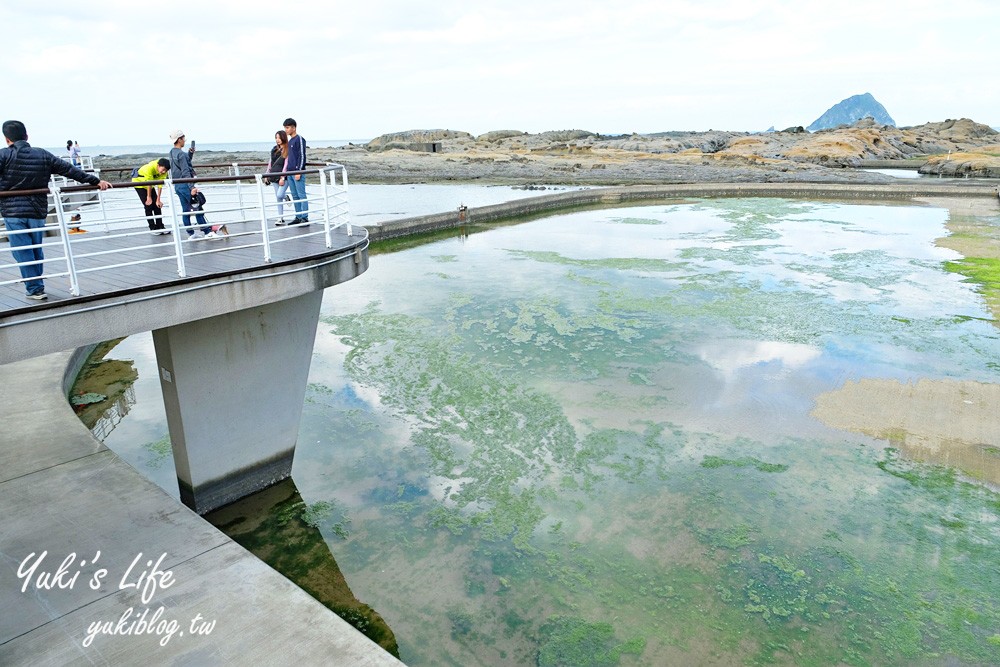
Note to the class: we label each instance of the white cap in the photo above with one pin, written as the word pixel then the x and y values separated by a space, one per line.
pixel 175 135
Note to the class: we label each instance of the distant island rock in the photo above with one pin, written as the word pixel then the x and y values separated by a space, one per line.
pixel 851 110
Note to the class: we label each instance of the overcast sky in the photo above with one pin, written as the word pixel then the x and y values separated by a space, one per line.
pixel 115 72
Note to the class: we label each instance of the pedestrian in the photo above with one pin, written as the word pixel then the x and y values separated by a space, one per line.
pixel 154 170
pixel 279 153
pixel 296 161
pixel 23 167
pixel 74 152
pixel 181 167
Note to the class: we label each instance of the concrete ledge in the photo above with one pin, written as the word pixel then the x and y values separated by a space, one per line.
pixel 648 193
pixel 64 493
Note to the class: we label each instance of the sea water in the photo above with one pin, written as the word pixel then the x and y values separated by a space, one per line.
pixel 590 439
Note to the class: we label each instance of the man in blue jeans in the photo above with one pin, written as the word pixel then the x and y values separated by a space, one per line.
pixel 25 168
pixel 180 167
pixel 295 161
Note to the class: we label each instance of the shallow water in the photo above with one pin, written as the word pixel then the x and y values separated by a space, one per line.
pixel 587 439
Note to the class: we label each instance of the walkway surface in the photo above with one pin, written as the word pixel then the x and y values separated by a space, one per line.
pixel 68 500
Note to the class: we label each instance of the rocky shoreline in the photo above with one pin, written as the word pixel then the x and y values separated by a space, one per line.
pixel 399 167
pixel 958 148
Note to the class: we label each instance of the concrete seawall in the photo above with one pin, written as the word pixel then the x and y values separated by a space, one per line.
pixel 650 193
pixel 67 496
pixel 891 164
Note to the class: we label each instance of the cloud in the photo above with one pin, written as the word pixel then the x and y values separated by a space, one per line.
pixel 354 70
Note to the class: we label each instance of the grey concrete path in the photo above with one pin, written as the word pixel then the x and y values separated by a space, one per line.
pixel 64 494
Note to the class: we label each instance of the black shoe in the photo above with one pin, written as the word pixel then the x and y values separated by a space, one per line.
pixel 297 221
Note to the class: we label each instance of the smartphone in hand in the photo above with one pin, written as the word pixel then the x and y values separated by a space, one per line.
pixel 191 150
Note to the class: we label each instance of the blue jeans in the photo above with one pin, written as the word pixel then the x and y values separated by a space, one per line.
pixel 31 272
pixel 298 188
pixel 183 191
pixel 279 192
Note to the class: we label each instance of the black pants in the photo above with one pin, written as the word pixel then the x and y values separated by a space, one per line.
pixel 154 214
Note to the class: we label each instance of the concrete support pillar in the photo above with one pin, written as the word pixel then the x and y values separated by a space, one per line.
pixel 233 386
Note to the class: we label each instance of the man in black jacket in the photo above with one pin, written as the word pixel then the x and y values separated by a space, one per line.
pixel 25 168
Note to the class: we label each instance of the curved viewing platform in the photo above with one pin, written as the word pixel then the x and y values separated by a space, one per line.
pixel 119 265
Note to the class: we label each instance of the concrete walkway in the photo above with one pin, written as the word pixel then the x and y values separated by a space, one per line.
pixel 63 493
pixel 648 194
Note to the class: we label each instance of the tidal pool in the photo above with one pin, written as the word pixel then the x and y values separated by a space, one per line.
pixel 590 439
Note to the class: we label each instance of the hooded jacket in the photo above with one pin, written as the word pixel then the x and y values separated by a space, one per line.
pixel 25 168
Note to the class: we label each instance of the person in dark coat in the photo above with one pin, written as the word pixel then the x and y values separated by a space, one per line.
pixel 23 167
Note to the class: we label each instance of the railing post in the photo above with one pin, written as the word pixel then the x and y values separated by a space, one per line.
pixel 263 218
pixel 347 204
pixel 178 244
pixel 239 190
pixel 104 212
pixel 326 206
pixel 74 284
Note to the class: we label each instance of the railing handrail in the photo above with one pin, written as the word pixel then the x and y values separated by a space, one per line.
pixel 226 165
pixel 84 187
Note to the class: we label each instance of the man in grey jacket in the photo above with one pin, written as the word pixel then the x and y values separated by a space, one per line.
pixel 180 167
pixel 23 167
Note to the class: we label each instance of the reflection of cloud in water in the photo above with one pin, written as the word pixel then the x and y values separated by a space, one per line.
pixel 730 356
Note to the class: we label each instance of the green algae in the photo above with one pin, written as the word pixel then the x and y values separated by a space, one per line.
pixel 574 641
pixel 984 271
pixel 614 263
pixel 636 221
pixel 878 611
pixel 159 451
pixel 561 515
pixel 283 530
pixel 743 462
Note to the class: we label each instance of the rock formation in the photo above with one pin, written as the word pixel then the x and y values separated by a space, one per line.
pixel 851 110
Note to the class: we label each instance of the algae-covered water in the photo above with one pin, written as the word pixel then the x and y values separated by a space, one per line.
pixel 589 440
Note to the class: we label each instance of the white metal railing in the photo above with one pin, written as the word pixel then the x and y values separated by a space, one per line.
pixel 86 164
pixel 241 205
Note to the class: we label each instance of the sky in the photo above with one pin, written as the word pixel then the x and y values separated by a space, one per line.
pixel 116 73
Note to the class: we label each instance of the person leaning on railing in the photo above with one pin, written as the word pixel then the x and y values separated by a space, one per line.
pixel 23 167
pixel 152 171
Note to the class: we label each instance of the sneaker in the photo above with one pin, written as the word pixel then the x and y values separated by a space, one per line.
pixel 40 296
pixel 77 230
pixel 280 223
pixel 164 231
pixel 297 221
pixel 195 237
pixel 212 235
